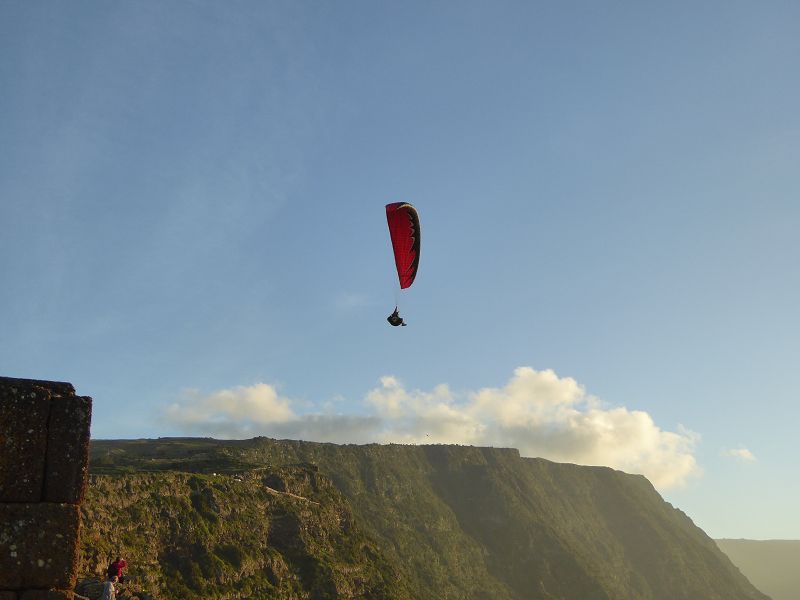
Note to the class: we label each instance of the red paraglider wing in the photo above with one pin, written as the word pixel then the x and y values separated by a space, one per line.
pixel 403 223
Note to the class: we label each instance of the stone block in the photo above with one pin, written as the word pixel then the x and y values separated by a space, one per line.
pixel 47 595
pixel 38 545
pixel 59 388
pixel 24 412
pixel 67 449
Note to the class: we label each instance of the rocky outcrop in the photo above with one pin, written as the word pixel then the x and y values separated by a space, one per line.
pixel 44 453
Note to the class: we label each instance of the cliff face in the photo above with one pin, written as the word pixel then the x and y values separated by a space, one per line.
pixel 282 519
pixel 231 536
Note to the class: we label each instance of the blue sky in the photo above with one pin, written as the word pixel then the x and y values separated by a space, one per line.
pixel 193 231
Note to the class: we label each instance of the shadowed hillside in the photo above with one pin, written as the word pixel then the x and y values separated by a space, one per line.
pixel 265 519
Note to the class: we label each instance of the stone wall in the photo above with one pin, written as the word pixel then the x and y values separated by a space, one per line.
pixel 44 456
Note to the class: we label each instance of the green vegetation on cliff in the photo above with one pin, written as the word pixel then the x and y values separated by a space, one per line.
pixel 231 536
pixel 270 518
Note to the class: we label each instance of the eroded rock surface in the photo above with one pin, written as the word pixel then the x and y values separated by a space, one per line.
pixel 44 455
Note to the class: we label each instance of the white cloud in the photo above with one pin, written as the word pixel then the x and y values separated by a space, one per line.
pixel 741 454
pixel 247 407
pixel 537 412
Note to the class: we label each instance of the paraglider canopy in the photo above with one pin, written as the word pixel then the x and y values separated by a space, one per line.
pixel 404 230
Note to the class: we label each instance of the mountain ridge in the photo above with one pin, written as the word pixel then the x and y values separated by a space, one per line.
pixel 421 522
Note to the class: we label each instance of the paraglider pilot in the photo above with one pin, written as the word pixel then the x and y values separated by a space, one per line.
pixel 395 319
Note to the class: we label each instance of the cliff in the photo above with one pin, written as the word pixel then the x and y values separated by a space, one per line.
pixel 265 518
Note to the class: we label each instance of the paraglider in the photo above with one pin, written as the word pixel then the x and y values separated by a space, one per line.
pixel 395 319
pixel 404 231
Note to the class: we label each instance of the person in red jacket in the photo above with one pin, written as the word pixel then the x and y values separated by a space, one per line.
pixel 115 569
